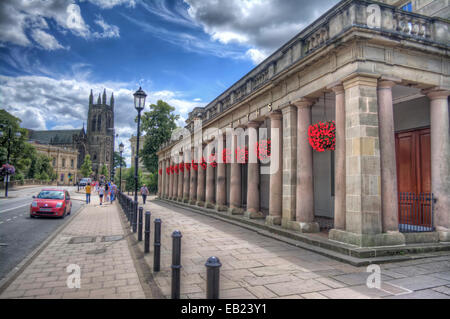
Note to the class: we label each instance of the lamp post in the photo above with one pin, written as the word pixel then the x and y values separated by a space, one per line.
pixel 17 134
pixel 139 103
pixel 120 165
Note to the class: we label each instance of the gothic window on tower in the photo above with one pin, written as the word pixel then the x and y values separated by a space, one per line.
pixel 107 156
pixel 99 123
pixel 95 157
pixel 94 122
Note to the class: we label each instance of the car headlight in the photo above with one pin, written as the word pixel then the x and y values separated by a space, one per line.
pixel 58 205
pixel 34 204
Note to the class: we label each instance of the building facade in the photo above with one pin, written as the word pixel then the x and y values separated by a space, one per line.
pixel 381 74
pixel 64 162
pixel 97 140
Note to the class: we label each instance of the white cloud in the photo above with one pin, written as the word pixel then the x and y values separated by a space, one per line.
pixel 108 4
pixel 256 55
pixel 17 18
pixel 45 40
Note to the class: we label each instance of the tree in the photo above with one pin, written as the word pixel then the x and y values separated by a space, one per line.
pixel 86 167
pixel 118 160
pixel 129 179
pixel 158 125
pixel 104 171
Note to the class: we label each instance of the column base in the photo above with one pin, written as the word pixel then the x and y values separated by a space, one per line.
pixel 200 203
pixel 221 208
pixel 303 227
pixel 444 234
pixel 186 200
pixel 273 220
pixel 367 240
pixel 209 205
pixel 254 215
pixel 192 201
pixel 235 211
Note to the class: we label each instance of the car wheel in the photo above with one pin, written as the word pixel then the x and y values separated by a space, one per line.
pixel 63 215
pixel 31 216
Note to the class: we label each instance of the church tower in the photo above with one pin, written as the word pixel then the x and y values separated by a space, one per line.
pixel 100 132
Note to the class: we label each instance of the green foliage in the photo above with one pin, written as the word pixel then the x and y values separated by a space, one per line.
pixel 128 176
pixel 158 125
pixel 118 160
pixel 86 167
pixel 151 180
pixel 44 168
pixel 104 171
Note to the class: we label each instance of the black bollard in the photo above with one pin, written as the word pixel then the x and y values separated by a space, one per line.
pixel 147 232
pixel 212 277
pixel 141 212
pixel 157 244
pixel 134 219
pixel 176 263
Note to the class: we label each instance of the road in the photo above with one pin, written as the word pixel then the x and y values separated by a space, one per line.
pixel 20 234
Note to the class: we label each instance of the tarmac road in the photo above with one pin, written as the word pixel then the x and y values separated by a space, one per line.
pixel 20 234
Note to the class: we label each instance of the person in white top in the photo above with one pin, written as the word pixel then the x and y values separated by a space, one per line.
pixel 101 193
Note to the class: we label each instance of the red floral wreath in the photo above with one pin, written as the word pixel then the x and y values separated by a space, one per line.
pixel 212 160
pixel 176 168
pixel 187 166
pixel 194 165
pixel 322 136
pixel 168 170
pixel 226 155
pixel 203 163
pixel 242 154
pixel 263 149
pixel 181 167
pixel 160 171
pixel 172 169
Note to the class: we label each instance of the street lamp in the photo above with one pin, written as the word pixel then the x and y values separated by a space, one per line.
pixel 120 165
pixel 17 134
pixel 139 103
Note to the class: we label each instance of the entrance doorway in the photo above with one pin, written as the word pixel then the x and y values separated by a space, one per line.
pixel 413 155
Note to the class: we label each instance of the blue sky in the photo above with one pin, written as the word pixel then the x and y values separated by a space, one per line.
pixel 186 52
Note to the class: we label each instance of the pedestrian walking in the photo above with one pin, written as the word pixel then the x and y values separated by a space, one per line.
pixel 144 193
pixel 107 189
pixel 88 193
pixel 113 191
pixel 101 193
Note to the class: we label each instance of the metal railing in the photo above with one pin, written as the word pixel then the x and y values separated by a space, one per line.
pixel 416 212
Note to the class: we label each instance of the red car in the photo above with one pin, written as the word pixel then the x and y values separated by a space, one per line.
pixel 51 202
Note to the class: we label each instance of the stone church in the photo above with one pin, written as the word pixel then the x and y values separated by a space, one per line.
pixel 97 140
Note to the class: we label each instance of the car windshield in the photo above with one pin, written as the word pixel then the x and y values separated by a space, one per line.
pixel 51 195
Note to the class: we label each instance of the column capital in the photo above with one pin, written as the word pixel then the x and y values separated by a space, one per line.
pixel 436 94
pixel 253 124
pixel 386 84
pixel 275 115
pixel 360 80
pixel 288 108
pixel 338 89
pixel 304 102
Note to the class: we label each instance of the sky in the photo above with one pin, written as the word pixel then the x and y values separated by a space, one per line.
pixel 185 52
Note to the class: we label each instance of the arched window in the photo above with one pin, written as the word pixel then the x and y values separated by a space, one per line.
pixel 94 122
pixel 99 123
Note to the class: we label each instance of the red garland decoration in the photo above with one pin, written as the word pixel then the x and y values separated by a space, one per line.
pixel 160 171
pixel 322 136
pixel 181 167
pixel 212 160
pixel 187 166
pixel 168 170
pixel 242 155
pixel 226 155
pixel 176 168
pixel 172 169
pixel 194 165
pixel 203 163
pixel 263 149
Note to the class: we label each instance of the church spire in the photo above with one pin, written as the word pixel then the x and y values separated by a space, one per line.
pixel 104 96
pixel 99 101
pixel 91 98
pixel 112 99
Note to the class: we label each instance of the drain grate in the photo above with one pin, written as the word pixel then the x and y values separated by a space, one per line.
pixel 112 238
pixel 82 240
pixel 96 251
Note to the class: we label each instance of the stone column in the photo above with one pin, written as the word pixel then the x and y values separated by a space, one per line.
pixel 193 188
pixel 180 180
pixel 170 180
pixel 186 182
pixel 175 183
pixel 163 173
pixel 253 173
pixel 440 161
pixel 209 196
pixel 289 164
pixel 339 159
pixel 304 217
pixel 167 186
pixel 388 162
pixel 235 180
pixel 200 180
pixel 221 190
pixel 363 223
pixel 276 169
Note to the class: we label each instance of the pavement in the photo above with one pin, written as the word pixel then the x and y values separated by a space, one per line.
pixel 93 245
pixel 255 266
pixel 20 234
